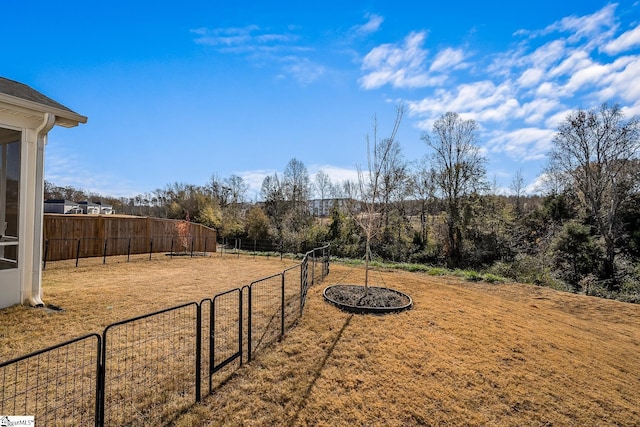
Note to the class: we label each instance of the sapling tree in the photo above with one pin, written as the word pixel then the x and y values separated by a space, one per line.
pixel 183 231
pixel 364 196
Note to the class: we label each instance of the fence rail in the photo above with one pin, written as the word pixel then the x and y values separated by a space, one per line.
pixel 149 369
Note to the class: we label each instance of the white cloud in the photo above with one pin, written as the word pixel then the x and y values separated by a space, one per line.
pixel 591 27
pixel 522 144
pixel 401 66
pixel 65 169
pixel 624 82
pixel 555 119
pixel 585 77
pixel 575 61
pixel 480 100
pixel 448 59
pixel 254 179
pixel 249 38
pixel 534 112
pixel 303 70
pixel 371 26
pixel 531 77
pixel 337 174
pixel 548 54
pixel 624 42
pixel 530 89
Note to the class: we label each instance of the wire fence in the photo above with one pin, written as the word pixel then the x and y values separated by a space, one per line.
pixel 94 250
pixel 150 369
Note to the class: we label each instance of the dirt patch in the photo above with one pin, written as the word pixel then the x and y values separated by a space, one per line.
pixel 372 299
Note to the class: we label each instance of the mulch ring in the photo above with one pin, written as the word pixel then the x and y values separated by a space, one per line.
pixel 358 299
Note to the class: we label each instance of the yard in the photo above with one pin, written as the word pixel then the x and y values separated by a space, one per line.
pixel 466 354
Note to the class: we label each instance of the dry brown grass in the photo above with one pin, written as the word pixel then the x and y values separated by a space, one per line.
pixel 466 354
pixel 95 295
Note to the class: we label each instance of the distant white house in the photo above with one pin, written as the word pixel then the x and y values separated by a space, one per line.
pixel 26 117
pixel 322 207
pixel 96 208
pixel 89 208
pixel 61 206
pixel 105 209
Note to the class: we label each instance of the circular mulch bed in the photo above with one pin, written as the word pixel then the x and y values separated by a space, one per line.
pixel 353 298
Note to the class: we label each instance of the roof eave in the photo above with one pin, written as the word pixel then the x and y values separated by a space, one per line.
pixel 66 118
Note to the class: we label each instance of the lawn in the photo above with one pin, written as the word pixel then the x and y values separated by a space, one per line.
pixel 466 354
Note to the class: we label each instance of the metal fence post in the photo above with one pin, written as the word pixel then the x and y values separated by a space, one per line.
pixel 150 249
pixel 104 252
pixel 282 309
pixel 46 251
pixel 129 249
pixel 100 387
pixel 198 351
pixel 249 343
pixel 240 319
pixel 78 252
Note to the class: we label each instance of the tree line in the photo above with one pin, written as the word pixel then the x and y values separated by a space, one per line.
pixel 581 232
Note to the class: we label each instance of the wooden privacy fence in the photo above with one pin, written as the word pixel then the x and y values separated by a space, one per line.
pixel 73 236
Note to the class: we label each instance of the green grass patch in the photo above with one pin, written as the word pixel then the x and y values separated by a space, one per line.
pixel 469 275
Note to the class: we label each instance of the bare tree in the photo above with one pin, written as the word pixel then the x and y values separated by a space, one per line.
pixel 322 186
pixel 596 151
pixel 296 182
pixel 367 191
pixel 274 201
pixel 237 188
pixel 517 187
pixel 424 187
pixel 297 189
pixel 459 171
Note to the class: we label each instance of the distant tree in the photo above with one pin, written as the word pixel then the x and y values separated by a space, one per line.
pixel 257 223
pixel 296 183
pixel 238 188
pixel 296 186
pixel 322 185
pixel 459 171
pixel 275 204
pixel 595 151
pixel 424 188
pixel 517 189
pixel 576 253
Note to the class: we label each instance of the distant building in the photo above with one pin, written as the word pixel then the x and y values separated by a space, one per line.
pixel 322 207
pixel 105 209
pixel 61 206
pixel 89 208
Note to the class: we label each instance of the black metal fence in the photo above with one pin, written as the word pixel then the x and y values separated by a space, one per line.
pixel 150 369
pixel 258 246
pixel 93 250
pixel 99 249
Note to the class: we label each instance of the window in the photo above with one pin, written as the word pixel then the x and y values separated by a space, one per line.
pixel 10 142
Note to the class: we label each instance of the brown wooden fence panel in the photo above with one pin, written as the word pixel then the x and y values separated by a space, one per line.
pixel 137 234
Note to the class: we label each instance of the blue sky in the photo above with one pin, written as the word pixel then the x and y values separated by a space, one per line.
pixel 179 91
